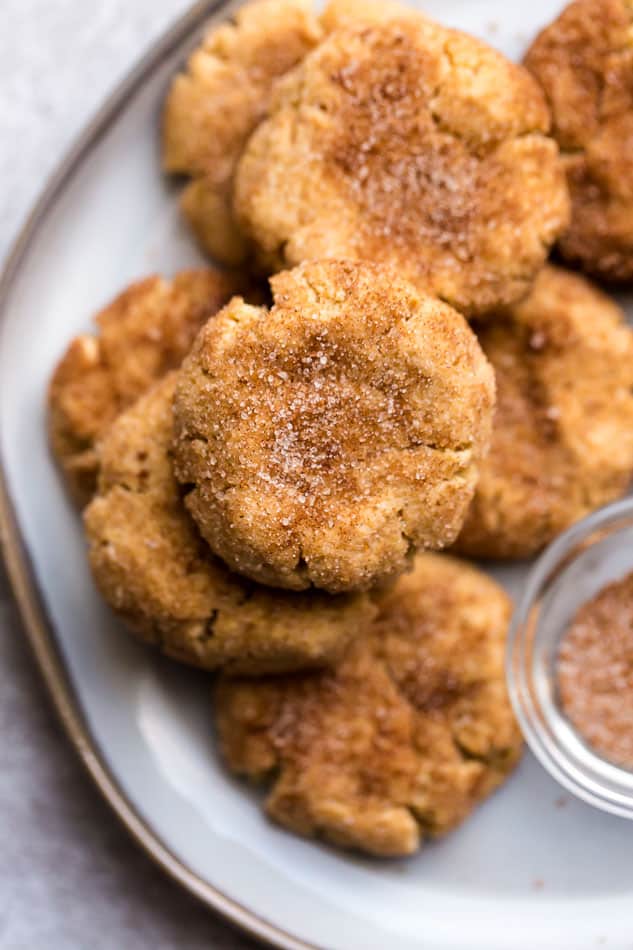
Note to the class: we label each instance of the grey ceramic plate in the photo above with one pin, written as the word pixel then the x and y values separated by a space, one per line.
pixel 522 873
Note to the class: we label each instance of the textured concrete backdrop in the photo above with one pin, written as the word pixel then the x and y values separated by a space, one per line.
pixel 70 878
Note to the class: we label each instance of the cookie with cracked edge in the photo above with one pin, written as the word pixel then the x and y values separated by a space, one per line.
pixel 404 738
pixel 562 440
pixel 413 145
pixel 153 568
pixel 584 63
pixel 346 13
pixel 216 102
pixel 321 441
pixel 141 335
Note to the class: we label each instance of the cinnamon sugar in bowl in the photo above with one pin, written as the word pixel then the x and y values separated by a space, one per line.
pixel 570 659
pixel 595 671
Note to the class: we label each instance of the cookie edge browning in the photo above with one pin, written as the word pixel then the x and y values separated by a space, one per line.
pixel 255 758
pixel 484 535
pixel 77 456
pixel 206 198
pixel 228 606
pixel 592 242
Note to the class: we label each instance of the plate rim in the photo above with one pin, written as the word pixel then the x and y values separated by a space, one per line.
pixel 32 609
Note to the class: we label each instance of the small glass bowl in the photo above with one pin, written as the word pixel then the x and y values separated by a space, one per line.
pixel 591 554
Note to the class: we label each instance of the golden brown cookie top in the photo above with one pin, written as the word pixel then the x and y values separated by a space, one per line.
pixel 346 13
pixel 401 741
pixel 413 145
pixel 322 440
pixel 144 332
pixel 154 569
pixel 562 440
pixel 216 102
pixel 584 63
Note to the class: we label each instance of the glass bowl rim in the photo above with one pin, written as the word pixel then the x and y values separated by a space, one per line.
pixel 553 755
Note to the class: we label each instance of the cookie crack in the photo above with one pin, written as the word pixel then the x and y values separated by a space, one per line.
pixel 440 124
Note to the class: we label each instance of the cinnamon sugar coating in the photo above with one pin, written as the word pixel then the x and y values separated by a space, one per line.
pixel 562 442
pixel 409 144
pixel 322 441
pixel 404 737
pixel 216 102
pixel 595 679
pixel 144 332
pixel 156 572
pixel 584 63
pixel 345 13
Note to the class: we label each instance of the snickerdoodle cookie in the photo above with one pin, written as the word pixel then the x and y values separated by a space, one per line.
pixel 584 62
pixel 214 105
pixel 345 13
pixel 412 145
pixel 141 335
pixel 321 441
pixel 562 441
pixel 404 737
pixel 156 572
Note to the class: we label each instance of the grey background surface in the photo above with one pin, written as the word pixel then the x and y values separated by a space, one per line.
pixel 70 878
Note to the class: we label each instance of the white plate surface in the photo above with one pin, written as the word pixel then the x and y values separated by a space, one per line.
pixel 532 870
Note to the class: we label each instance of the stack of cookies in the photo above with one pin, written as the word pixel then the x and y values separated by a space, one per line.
pixel 269 455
